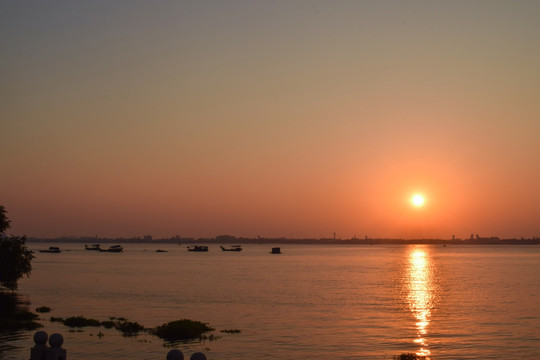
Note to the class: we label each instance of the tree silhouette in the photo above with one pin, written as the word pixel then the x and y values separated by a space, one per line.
pixel 15 258
pixel 4 221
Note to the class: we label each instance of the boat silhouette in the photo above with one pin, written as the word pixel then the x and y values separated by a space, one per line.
pixel 232 248
pixel 198 248
pixel 113 248
pixel 51 249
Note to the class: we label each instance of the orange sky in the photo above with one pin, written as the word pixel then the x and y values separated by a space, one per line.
pixel 278 119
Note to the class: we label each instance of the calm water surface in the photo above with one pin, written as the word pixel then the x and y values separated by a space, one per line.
pixel 312 301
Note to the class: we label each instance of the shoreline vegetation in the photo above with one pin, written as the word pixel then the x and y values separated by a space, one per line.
pixel 178 330
pixel 225 239
pixel 15 263
pixel 15 316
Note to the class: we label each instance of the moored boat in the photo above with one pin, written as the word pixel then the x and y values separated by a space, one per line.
pixel 198 248
pixel 113 248
pixel 275 250
pixel 232 248
pixel 94 247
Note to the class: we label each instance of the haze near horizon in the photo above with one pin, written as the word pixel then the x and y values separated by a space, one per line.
pixel 278 119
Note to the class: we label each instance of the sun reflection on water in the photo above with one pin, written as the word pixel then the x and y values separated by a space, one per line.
pixel 420 295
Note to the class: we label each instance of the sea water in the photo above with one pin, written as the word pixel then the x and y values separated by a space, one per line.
pixel 311 301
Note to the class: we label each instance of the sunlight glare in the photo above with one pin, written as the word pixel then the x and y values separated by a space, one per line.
pixel 417 200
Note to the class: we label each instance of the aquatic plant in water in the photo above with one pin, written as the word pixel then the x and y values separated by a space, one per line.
pixel 409 356
pixel 128 328
pixel 108 324
pixel 175 330
pixel 80 321
pixel 182 330
pixel 210 337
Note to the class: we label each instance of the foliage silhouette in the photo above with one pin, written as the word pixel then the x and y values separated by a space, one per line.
pixel 409 356
pixel 14 317
pixel 15 258
pixel 4 221
pixel 182 330
pixel 80 321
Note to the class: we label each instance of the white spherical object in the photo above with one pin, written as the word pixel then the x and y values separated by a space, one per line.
pixel 198 356
pixel 175 354
pixel 56 340
pixel 41 337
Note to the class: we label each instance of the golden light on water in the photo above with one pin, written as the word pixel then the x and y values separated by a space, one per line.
pixel 420 296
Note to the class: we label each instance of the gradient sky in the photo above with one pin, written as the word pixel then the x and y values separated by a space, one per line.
pixel 271 118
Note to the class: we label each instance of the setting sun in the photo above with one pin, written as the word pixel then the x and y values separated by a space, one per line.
pixel 417 200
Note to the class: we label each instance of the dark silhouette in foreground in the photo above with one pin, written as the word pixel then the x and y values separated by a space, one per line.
pixel 15 262
pixel 15 258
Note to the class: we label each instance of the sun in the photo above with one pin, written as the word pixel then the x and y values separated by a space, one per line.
pixel 418 200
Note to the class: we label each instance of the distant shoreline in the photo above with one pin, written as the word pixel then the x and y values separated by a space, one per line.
pixel 323 241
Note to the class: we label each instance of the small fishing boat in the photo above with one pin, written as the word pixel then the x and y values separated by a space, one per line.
pixel 51 249
pixel 161 250
pixel 276 250
pixel 198 248
pixel 94 247
pixel 113 248
pixel 232 248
